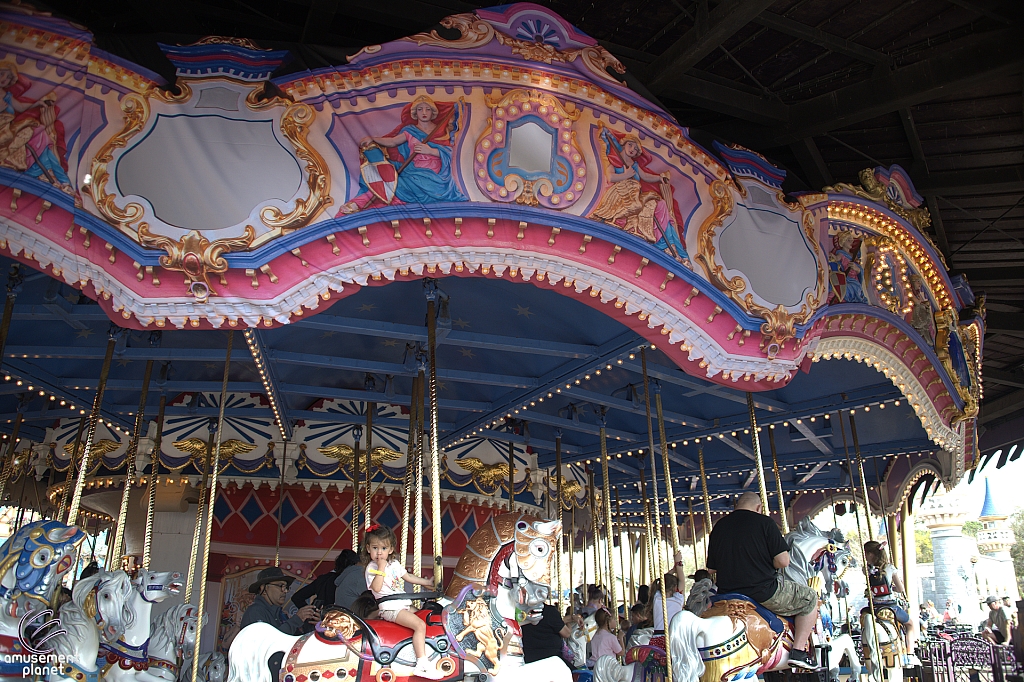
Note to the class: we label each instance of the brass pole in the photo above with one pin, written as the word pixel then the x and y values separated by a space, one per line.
pixel 673 525
pixel 8 469
pixel 408 483
pixel 154 475
pixel 593 527
pixel 755 440
pixel 704 490
pixel 662 570
pixel 94 418
pixel 367 508
pixel 420 425
pixel 133 449
pixel 356 490
pixel 435 454
pixel 863 480
pixel 607 492
pixel 14 280
pixel 280 498
pixel 65 496
pixel 197 533
pixel 856 514
pixel 622 557
pixel 647 559
pixel 209 515
pixel 572 554
pixel 693 532
pixel 558 506
pixel 511 477
pixel 778 482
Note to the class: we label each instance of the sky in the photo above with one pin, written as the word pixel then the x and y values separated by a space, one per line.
pixel 1005 482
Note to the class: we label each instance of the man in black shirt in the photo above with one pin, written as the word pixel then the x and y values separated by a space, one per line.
pixel 746 550
pixel 544 639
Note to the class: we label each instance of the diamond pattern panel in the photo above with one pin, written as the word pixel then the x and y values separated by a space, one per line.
pixel 251 510
pixel 388 517
pixel 288 512
pixel 320 514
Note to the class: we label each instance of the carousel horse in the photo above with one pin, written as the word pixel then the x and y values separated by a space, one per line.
pixel 172 645
pixel 32 563
pixel 96 611
pixel 213 667
pixel 129 653
pixel 734 637
pixel 501 580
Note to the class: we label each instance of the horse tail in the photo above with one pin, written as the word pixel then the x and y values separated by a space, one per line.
pixel 687 665
pixel 252 648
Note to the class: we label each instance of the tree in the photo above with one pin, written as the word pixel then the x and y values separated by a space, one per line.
pixel 971 528
pixel 1017 550
pixel 923 539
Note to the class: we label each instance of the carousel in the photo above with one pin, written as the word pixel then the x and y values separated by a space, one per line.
pixel 471 287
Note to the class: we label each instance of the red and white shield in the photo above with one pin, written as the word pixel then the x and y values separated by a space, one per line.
pixel 381 177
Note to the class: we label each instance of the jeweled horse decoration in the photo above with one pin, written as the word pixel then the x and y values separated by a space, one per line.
pixel 734 638
pixel 129 654
pixel 501 580
pixel 32 563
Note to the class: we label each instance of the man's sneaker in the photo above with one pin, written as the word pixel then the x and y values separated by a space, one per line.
pixel 802 660
pixel 426 670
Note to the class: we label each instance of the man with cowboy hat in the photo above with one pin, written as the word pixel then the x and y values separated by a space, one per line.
pixel 271 590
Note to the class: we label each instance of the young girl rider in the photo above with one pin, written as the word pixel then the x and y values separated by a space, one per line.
pixel 886 585
pixel 384 578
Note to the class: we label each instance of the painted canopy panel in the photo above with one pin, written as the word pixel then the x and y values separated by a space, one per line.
pixel 507 147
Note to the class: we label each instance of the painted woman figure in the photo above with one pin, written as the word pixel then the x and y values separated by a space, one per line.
pixel 38 135
pixel 639 197
pixel 413 163
pixel 847 273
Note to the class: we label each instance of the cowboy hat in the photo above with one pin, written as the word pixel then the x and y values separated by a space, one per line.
pixel 272 574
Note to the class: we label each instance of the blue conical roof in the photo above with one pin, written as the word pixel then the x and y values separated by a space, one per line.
pixel 990 509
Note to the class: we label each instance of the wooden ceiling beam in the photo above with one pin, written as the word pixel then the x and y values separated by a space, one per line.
pixel 706 36
pixel 830 42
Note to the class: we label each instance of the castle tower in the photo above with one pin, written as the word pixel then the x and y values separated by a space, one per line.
pixel 944 517
pixel 995 538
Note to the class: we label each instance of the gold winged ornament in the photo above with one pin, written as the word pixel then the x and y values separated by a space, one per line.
pixel 196 447
pixel 569 488
pixel 100 448
pixel 489 476
pixel 345 455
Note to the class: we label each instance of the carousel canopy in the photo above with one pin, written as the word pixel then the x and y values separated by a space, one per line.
pixel 503 166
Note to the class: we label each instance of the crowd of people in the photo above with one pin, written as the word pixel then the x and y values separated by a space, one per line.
pixel 746 555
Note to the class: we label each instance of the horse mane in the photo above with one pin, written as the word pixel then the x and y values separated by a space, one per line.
pixel 167 625
pixel 122 584
pixel 77 624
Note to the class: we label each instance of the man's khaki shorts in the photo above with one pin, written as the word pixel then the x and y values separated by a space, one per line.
pixel 792 599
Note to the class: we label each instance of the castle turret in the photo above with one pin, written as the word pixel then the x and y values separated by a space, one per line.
pixel 944 517
pixel 995 537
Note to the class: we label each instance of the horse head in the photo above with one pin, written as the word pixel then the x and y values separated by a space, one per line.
pixel 105 597
pixel 510 555
pixel 155 586
pixel 174 633
pixel 32 563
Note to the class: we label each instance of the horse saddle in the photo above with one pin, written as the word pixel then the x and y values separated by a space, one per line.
pixel 774 621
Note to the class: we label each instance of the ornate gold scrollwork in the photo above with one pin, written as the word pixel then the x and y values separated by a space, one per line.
pixel 779 324
pixel 196 256
pixel 136 112
pixel 873 190
pixel 476 32
pixel 946 324
pixel 295 126
pixel 487 477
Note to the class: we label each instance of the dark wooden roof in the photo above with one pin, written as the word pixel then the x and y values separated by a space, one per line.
pixel 822 87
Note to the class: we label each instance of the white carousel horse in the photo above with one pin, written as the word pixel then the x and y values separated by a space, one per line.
pixel 213 667
pixel 32 562
pixel 503 577
pixel 172 645
pixel 96 611
pixel 732 640
pixel 129 653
